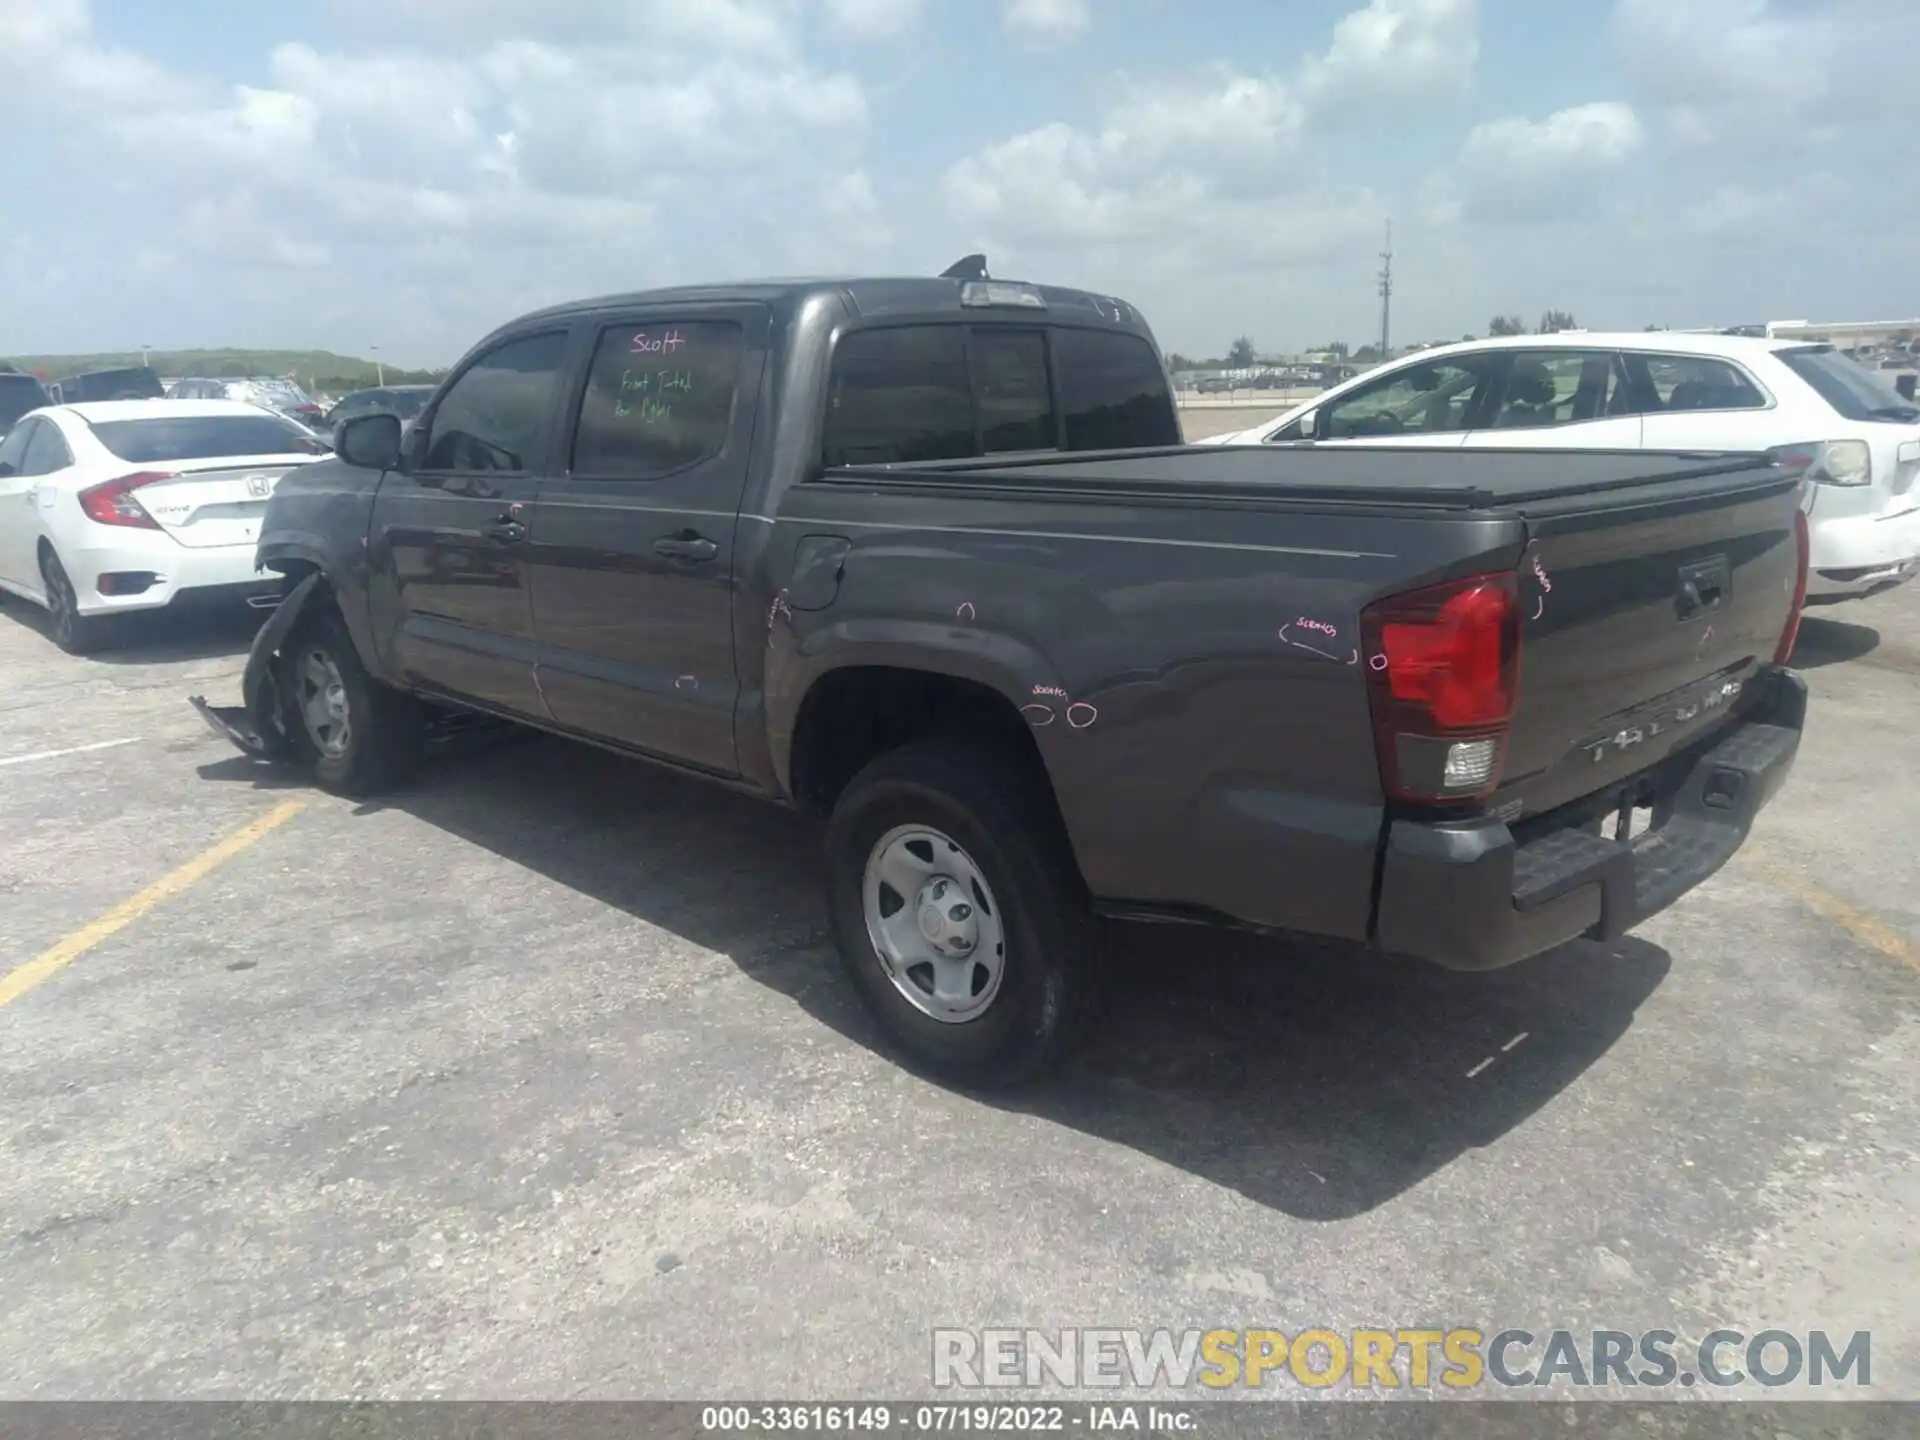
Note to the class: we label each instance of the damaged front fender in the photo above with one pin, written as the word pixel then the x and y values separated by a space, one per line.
pixel 258 724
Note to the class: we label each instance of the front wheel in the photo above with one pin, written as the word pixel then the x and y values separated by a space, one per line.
pixel 359 737
pixel 73 632
pixel 959 913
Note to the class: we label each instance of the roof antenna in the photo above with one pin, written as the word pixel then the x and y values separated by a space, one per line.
pixel 972 267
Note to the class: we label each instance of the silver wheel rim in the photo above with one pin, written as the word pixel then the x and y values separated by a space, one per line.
pixel 322 697
pixel 934 923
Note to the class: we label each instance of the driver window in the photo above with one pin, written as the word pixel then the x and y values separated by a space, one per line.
pixel 494 417
pixel 1418 400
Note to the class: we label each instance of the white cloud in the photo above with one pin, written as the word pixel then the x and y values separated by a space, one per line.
pixel 875 19
pixel 1518 169
pixel 1047 22
pixel 520 168
pixel 1396 49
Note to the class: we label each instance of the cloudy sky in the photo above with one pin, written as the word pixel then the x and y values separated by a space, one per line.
pixel 407 173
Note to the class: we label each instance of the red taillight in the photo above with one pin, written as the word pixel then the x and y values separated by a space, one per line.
pixel 1803 547
pixel 112 502
pixel 1443 667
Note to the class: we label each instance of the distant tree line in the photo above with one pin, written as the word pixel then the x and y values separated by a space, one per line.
pixel 1242 353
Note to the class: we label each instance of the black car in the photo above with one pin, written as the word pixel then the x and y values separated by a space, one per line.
pixel 19 394
pixel 132 382
pixel 405 401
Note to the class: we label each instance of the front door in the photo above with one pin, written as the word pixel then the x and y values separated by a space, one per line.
pixel 632 558
pixel 1561 399
pixel 447 562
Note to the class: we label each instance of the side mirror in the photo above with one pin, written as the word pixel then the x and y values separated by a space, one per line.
pixel 1904 385
pixel 6 467
pixel 371 442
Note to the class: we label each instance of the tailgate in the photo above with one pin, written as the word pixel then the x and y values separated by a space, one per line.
pixel 1646 611
pixel 216 504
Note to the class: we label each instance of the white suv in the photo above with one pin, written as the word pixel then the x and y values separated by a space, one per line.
pixel 1658 391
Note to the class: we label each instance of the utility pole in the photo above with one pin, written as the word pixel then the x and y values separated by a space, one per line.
pixel 1386 296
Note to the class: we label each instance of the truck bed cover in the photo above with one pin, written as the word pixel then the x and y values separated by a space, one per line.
pixel 1450 479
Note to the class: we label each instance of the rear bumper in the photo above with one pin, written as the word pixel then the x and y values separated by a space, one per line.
pixel 1471 897
pixel 1855 555
pixel 172 572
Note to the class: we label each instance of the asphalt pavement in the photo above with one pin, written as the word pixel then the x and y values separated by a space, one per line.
pixel 538 1080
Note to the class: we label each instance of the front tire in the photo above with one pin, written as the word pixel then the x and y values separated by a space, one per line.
pixel 359 737
pixel 73 632
pixel 980 975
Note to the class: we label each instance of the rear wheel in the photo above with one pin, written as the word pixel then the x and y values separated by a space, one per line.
pixel 73 632
pixel 959 913
pixel 358 736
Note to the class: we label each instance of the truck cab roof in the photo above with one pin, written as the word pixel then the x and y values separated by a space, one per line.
pixel 917 297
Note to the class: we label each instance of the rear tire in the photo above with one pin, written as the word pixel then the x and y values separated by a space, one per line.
pixel 990 867
pixel 73 632
pixel 359 737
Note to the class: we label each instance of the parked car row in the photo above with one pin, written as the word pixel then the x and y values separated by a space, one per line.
pixel 1658 391
pixel 269 392
pixel 926 558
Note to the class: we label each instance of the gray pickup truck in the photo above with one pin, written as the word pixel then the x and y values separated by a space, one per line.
pixel 927 558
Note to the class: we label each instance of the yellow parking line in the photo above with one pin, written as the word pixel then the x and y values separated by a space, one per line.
pixel 1864 929
pixel 50 962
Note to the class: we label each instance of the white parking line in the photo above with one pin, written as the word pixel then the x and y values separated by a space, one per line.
pixel 72 750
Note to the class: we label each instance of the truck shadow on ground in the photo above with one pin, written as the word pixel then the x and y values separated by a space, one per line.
pixel 1317 1082
pixel 158 637
pixel 1831 642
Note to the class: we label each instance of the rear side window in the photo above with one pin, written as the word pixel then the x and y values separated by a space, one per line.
pixel 494 418
pixel 1854 391
pixel 898 395
pixel 47 452
pixel 205 437
pixel 1693 382
pixel 659 398
pixel 1113 391
pixel 1011 390
pixel 1561 387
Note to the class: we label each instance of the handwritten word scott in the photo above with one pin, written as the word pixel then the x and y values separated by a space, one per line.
pixel 663 343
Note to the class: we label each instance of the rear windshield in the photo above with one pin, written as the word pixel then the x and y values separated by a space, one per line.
pixel 18 395
pixel 206 437
pixel 1849 387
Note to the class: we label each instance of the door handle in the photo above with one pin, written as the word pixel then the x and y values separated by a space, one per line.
pixel 507 532
pixel 686 546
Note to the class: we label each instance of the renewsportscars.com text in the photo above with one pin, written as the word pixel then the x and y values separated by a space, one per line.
pixel 1459 1359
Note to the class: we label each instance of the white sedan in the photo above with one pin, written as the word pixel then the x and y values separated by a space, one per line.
pixel 138 504
pixel 1658 390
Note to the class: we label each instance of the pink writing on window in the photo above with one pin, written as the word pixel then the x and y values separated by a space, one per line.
pixel 663 343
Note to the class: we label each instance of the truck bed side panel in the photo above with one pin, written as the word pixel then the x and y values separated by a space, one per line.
pixel 1191 672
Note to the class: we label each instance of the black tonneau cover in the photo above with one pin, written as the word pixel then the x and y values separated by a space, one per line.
pixel 1452 479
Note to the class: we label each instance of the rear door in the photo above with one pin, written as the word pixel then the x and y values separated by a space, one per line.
pixel 1560 399
pixel 1429 404
pixel 631 565
pixel 1698 402
pixel 448 549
